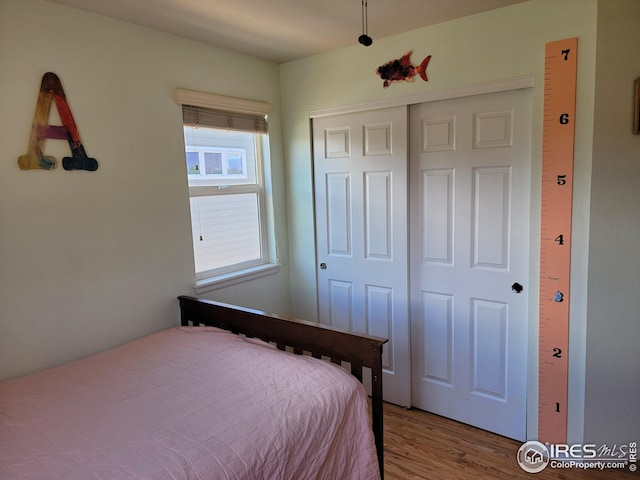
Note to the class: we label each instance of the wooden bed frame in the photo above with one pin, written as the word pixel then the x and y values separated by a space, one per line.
pixel 300 337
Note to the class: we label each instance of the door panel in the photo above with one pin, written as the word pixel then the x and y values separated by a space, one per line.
pixel 470 173
pixel 437 338
pixel 489 356
pixel 338 213
pixel 490 216
pixel 378 215
pixel 360 176
pixel 437 207
pixel 340 305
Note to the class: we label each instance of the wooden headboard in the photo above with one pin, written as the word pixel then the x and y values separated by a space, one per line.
pixel 301 337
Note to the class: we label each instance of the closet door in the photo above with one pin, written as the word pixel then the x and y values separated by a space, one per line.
pixel 470 174
pixel 360 168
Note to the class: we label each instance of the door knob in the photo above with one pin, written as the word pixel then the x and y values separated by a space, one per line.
pixel 323 266
pixel 516 287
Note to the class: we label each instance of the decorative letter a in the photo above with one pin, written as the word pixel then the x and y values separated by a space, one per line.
pixel 51 89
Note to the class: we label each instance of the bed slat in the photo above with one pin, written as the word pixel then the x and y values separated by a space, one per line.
pixel 356 371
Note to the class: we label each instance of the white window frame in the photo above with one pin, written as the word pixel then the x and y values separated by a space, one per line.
pixel 267 264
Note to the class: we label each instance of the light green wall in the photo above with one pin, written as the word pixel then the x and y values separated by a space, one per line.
pixel 613 334
pixel 90 260
pixel 489 47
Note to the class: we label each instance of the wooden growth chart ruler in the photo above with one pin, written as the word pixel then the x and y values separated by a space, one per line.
pixel 555 238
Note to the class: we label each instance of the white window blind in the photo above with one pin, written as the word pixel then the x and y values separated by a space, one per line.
pixel 208 117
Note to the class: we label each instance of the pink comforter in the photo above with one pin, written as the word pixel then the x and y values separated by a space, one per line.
pixel 187 403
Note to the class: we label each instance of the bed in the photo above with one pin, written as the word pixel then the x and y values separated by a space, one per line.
pixel 232 393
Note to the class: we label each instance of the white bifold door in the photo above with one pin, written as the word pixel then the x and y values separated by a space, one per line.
pixel 360 169
pixel 470 173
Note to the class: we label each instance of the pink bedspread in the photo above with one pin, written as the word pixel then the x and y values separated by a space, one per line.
pixel 187 403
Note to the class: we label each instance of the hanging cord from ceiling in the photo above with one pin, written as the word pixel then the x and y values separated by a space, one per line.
pixel 365 39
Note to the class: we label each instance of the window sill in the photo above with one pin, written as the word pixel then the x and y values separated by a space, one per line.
pixel 221 281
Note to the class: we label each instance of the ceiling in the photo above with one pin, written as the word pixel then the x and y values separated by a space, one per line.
pixel 284 30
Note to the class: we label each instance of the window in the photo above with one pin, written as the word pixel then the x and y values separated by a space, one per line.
pixel 224 158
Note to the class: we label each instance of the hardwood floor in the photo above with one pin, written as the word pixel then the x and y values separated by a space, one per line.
pixel 419 446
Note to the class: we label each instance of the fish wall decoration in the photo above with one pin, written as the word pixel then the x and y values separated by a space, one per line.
pixel 402 70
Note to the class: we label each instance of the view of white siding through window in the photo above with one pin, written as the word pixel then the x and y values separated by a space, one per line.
pixel 224 174
pixel 225 230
